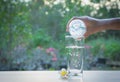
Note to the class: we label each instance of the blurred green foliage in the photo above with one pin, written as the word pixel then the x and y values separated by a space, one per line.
pixel 42 23
pixel 107 48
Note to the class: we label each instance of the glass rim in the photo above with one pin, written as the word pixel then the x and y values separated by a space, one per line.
pixel 70 36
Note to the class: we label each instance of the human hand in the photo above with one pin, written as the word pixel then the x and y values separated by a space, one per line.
pixel 92 24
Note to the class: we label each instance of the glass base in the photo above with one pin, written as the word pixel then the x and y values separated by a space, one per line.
pixel 75 74
pixel 78 78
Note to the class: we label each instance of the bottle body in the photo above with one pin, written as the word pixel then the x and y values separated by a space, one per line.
pixel 77 28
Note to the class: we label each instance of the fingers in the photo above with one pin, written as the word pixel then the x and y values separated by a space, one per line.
pixel 83 18
pixel 73 18
pixel 67 27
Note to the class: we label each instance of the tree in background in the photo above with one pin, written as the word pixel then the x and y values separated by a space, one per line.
pixel 42 23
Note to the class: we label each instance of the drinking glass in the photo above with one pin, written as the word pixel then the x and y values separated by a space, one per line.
pixel 75 53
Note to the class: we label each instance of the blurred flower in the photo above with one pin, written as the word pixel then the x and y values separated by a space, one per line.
pixel 48 50
pixel 51 51
pixel 87 46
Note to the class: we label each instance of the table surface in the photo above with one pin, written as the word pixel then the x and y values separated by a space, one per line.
pixel 53 76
